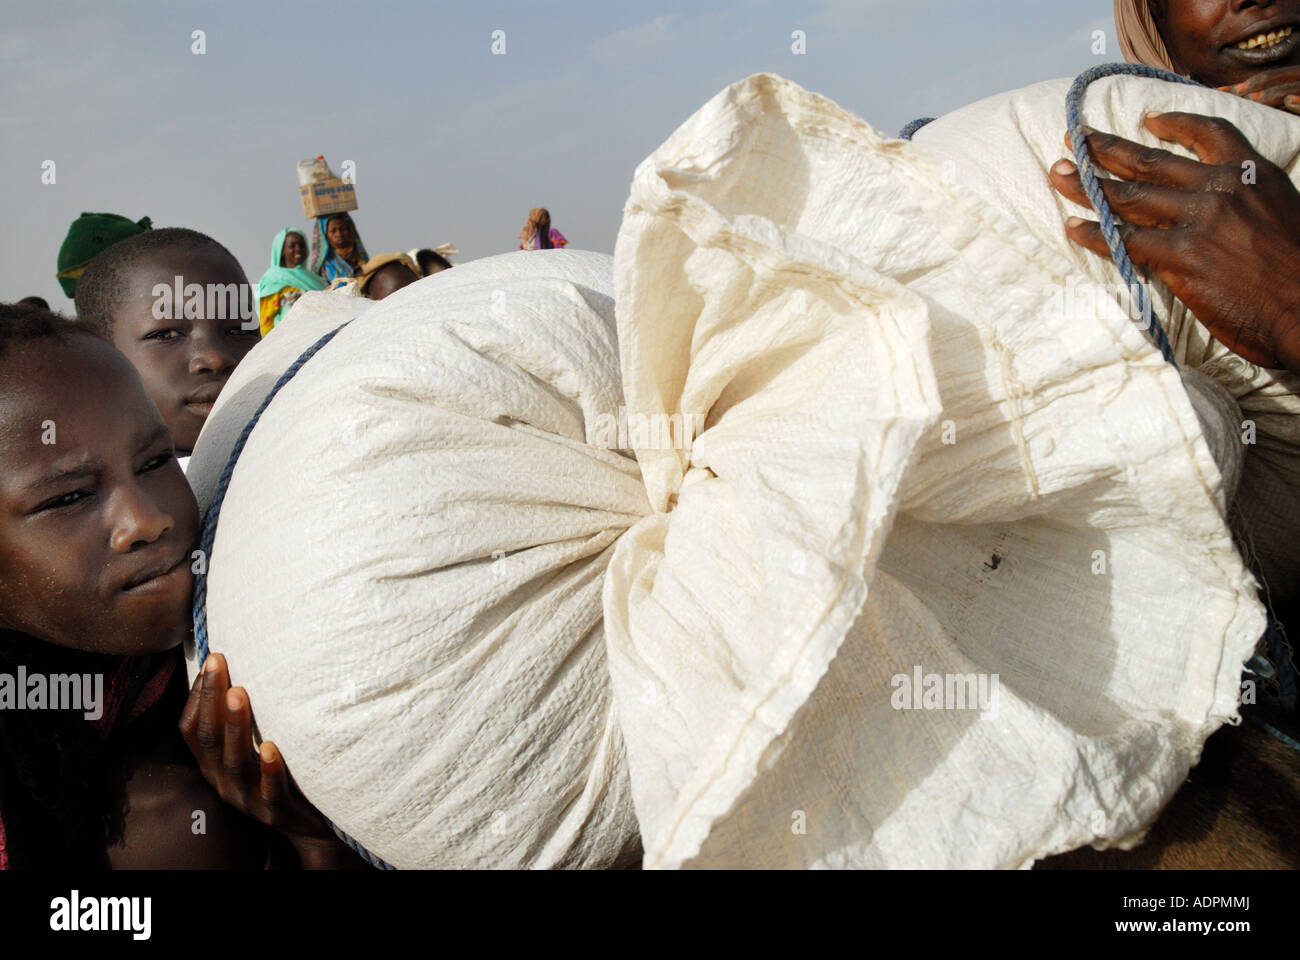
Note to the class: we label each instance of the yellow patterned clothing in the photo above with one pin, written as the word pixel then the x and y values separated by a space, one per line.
pixel 280 286
pixel 269 308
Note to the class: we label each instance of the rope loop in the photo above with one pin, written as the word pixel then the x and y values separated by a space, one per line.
pixel 1092 187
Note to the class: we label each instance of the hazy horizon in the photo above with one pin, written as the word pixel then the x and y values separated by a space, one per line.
pixel 451 143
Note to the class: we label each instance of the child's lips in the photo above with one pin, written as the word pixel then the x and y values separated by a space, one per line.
pixel 201 401
pixel 158 581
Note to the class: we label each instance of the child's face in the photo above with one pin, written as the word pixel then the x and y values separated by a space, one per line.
pixel 97 526
pixel 183 362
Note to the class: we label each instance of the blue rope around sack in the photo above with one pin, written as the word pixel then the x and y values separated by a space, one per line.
pixel 1092 186
pixel 209 534
pixel 910 130
pixel 1275 646
pixel 1280 667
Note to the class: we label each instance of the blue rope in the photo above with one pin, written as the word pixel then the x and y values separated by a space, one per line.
pixel 910 130
pixel 209 534
pixel 1092 186
pixel 1275 644
pixel 1289 741
pixel 1281 668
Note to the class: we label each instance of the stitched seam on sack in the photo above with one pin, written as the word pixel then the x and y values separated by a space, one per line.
pixel 1015 392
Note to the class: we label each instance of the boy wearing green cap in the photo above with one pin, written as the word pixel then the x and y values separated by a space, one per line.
pixel 89 234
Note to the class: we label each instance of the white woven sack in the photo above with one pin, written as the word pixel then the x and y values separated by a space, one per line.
pixel 1031 125
pixel 448 707
pixel 408 568
pixel 446 718
pixel 900 422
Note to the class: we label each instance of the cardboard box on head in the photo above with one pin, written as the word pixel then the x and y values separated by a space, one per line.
pixel 321 192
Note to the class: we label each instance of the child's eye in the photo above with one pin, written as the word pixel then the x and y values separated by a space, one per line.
pixel 242 331
pixel 62 500
pixel 153 463
pixel 168 334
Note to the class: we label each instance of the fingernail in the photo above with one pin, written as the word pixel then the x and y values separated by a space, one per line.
pixel 210 665
pixel 1152 114
pixel 268 752
pixel 1074 222
pixel 1257 94
pixel 233 700
pixel 1064 168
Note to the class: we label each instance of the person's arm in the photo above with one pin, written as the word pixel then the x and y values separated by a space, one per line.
pixel 1223 233
pixel 217 725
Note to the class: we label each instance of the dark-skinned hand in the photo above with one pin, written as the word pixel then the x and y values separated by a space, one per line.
pixel 1279 87
pixel 217 724
pixel 1228 248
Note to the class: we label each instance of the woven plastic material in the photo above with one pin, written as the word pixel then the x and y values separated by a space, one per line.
pixel 1028 127
pixel 1055 528
pixel 516 578
pixel 407 569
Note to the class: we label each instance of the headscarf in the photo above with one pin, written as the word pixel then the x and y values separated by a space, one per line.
pixel 278 277
pixel 1139 37
pixel 89 234
pixel 327 263
pixel 539 219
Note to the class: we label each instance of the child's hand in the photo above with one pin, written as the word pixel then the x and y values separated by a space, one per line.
pixel 217 724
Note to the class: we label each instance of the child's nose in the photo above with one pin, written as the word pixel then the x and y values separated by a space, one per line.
pixel 137 519
pixel 210 356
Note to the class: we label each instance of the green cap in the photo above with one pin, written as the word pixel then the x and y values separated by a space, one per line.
pixel 90 234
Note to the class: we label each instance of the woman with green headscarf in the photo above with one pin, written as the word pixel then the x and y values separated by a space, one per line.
pixel 287 279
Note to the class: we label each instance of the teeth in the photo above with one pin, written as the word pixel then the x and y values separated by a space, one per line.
pixel 1265 39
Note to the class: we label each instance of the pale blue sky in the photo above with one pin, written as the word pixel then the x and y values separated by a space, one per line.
pixel 450 142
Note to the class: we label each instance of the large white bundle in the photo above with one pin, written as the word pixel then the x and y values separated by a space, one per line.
pixel 408 568
pixel 1059 522
pixel 483 637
